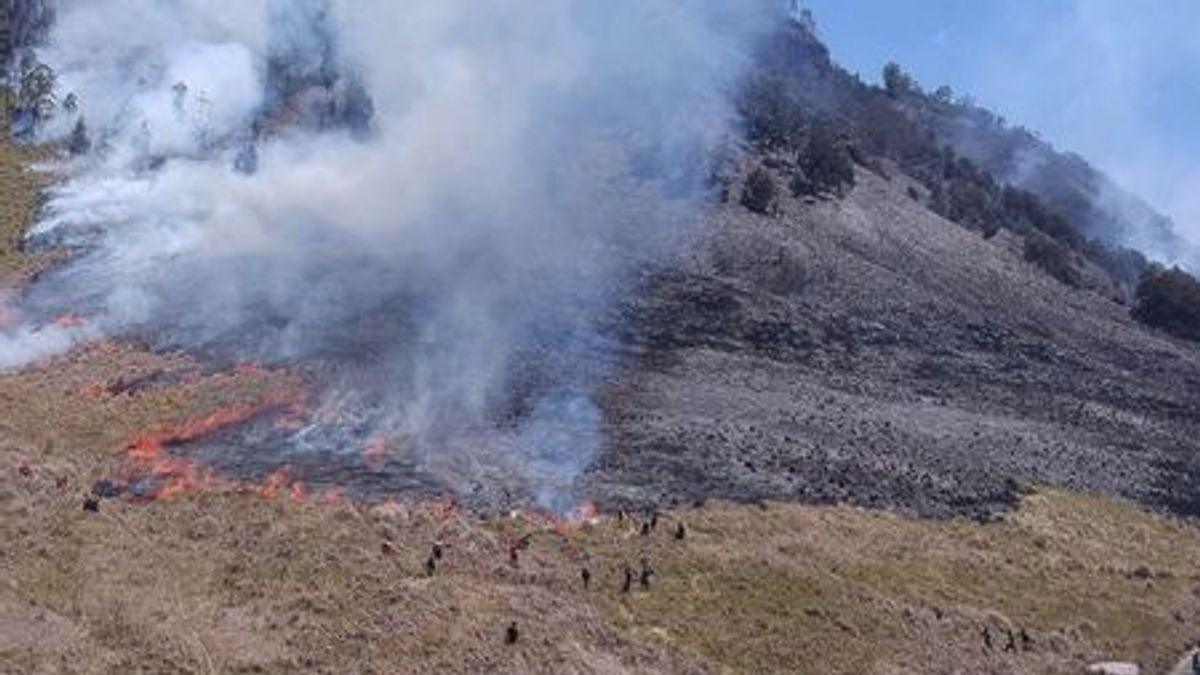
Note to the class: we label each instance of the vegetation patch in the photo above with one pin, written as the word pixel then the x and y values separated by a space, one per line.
pixel 1170 299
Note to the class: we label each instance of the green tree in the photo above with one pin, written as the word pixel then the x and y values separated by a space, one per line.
pixel 760 192
pixel 825 165
pixel 80 142
pixel 35 96
pixel 896 82
pixel 1169 299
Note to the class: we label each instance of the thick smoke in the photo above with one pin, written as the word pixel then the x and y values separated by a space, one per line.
pixel 435 199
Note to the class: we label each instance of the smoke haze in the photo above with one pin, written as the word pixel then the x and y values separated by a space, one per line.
pixel 440 197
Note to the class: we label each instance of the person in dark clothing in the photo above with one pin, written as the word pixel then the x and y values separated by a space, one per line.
pixel 647 572
pixel 430 566
pixel 680 532
pixel 512 634
pixel 586 575
pixel 628 585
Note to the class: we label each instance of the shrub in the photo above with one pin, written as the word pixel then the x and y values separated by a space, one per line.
pixel 825 166
pixel 1170 300
pixel 760 192
pixel 1052 257
pixel 773 119
pixel 784 274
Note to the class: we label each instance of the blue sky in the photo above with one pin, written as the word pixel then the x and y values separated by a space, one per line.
pixel 1117 81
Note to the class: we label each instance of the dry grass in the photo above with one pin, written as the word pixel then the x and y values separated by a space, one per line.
pixel 20 188
pixel 234 582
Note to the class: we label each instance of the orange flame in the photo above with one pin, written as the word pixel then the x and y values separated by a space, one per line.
pixel 150 446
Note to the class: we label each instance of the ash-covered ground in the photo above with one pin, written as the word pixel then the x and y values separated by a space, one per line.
pixel 868 351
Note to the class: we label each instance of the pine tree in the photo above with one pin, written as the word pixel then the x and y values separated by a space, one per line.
pixel 81 142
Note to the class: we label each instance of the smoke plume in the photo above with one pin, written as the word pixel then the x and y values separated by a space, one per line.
pixel 432 201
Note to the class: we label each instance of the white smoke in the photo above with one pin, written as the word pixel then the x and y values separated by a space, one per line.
pixel 521 158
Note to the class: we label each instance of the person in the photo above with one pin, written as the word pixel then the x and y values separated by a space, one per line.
pixel 647 572
pixel 1196 661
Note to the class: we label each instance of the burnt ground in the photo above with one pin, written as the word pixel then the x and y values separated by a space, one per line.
pixel 860 350
pixel 868 351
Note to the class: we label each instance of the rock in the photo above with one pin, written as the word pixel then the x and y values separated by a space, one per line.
pixel 1114 668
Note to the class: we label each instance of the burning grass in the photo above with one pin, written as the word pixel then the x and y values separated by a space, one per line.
pixel 259 581
pixel 217 575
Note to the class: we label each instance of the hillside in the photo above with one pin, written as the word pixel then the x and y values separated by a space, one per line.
pixel 869 350
pixel 888 407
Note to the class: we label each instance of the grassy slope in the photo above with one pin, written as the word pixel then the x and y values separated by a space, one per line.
pixel 233 582
pixel 19 189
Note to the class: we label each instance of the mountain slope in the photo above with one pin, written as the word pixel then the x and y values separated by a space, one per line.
pixel 869 350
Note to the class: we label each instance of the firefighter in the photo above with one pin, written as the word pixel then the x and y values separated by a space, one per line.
pixel 647 572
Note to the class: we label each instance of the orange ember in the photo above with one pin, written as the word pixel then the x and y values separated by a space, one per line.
pixel 248 369
pixel 332 496
pixel 274 483
pixel 442 509
pixel 375 453
pixel 8 316
pixel 70 321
